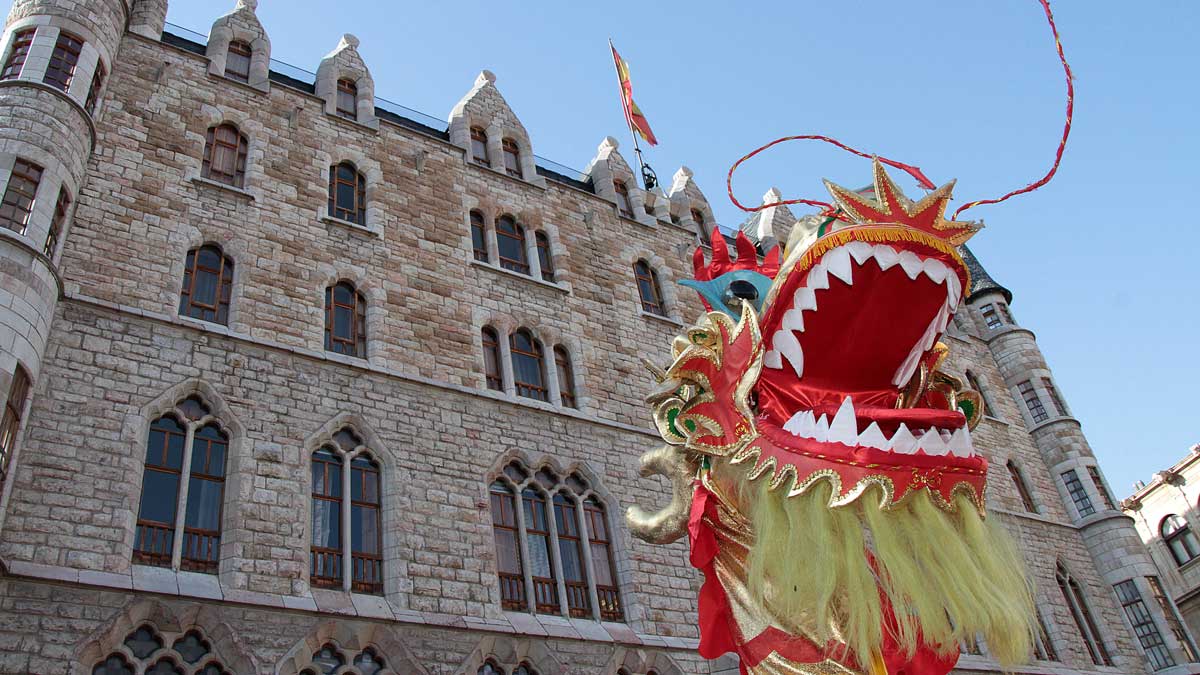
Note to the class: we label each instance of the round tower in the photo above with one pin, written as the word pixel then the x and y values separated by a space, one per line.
pixel 55 58
pixel 1110 536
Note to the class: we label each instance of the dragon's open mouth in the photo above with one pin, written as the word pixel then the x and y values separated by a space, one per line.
pixel 890 298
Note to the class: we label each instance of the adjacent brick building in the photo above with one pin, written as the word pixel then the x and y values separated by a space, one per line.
pixel 296 380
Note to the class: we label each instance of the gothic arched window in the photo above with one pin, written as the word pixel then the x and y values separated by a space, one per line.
pixel 510 242
pixel 225 155
pixel 345 320
pixel 184 447
pixel 512 157
pixel 1082 614
pixel 557 514
pixel 237 61
pixel 207 285
pixel 648 288
pixel 347 193
pixel 1179 538
pixel 346 479
pixel 1018 480
pixel 147 646
pixel 529 372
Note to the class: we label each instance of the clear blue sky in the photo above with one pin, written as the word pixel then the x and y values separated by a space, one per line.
pixel 1102 262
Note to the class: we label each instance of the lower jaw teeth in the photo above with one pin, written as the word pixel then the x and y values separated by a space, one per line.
pixel 843 428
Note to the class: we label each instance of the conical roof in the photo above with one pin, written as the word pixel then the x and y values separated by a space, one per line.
pixel 981 281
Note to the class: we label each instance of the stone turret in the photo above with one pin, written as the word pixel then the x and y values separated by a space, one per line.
pixel 57 56
pixel 1110 536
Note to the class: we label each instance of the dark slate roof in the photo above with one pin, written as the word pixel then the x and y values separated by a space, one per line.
pixel 981 281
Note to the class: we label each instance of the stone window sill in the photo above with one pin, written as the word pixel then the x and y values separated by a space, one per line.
pixel 524 277
pixel 208 182
pixel 350 225
pixel 659 317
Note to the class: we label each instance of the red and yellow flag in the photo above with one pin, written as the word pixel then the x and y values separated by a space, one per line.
pixel 633 114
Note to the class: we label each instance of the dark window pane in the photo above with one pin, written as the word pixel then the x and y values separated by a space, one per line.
pixel 327 524
pixel 160 491
pixel 204 504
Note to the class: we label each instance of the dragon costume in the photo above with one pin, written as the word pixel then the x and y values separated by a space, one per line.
pixel 821 460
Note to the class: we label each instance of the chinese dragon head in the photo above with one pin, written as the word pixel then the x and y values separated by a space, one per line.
pixel 822 462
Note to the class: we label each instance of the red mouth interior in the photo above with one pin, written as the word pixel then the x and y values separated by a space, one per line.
pixel 853 343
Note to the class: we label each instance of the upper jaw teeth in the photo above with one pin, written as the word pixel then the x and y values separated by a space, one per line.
pixel 840 263
pixel 843 428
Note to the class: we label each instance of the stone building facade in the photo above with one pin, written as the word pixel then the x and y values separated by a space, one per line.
pixel 1167 515
pixel 294 382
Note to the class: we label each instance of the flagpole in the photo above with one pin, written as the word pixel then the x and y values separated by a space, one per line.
pixel 649 178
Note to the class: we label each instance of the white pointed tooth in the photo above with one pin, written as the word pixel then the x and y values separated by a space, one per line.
pixel 844 427
pixel 945 435
pixel 903 441
pixel 818 278
pixel 953 290
pixel 886 256
pixel 785 343
pixel 821 430
pixel 905 372
pixel 960 443
pixel 801 424
pixel 873 437
pixel 805 298
pixel 839 265
pixel 934 269
pixel 911 264
pixel 932 442
pixel 772 359
pixel 793 319
pixel 861 251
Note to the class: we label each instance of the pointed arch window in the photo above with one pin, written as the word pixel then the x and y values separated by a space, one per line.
pixel 347 524
pixel 237 61
pixel 491 359
pixel 566 377
pixel 510 241
pixel 225 155
pixel 207 285
pixel 989 410
pixel 63 61
pixel 183 489
pixel 1180 539
pixel 10 423
pixel 1043 647
pixel 479 146
pixel 22 42
pixel 146 646
pixel 347 99
pixel 529 372
pixel 345 320
pixel 347 193
pixel 545 260
pixel 479 237
pixel 624 206
pixel 1082 614
pixel 558 514
pixel 1018 480
pixel 512 157
pixel 648 288
pixel 20 195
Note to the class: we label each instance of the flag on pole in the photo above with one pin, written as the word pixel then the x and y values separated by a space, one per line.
pixel 633 114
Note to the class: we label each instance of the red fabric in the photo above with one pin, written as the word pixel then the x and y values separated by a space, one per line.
pixel 633 115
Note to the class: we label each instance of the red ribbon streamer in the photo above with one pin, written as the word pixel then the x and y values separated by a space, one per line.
pixel 1062 145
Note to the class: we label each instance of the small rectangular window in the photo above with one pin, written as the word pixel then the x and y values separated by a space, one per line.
pixel 479 149
pixel 20 195
pixel 1033 402
pixel 10 422
pixel 1083 503
pixel 1173 621
pixel 1022 489
pixel 1094 474
pixel 16 58
pixel 63 61
pixel 56 224
pixel 237 62
pixel 94 91
pixel 1143 625
pixel 512 158
pixel 991 317
pixel 347 99
pixel 1055 400
pixel 478 237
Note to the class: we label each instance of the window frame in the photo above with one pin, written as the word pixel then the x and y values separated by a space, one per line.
pixel 224 286
pixel 1018 479
pixel 61 207
pixel 1182 543
pixel 1043 646
pixel 366 569
pixel 516 482
pixel 479 142
pixel 93 96
pixel 991 318
pixel 698 218
pixel 1097 480
pixel 355 344
pixel 13 415
pixel 346 92
pixel 624 205
pixel 516 234
pixel 1082 614
pixel 245 52
pixel 538 391
pixel 1033 402
pixel 1145 628
pixel 1055 399
pixel 493 368
pixel 541 242
pixel 479 247
pixel 23 185
pixel 1078 493
pixel 64 61
pixel 511 152
pixel 973 379
pixel 18 53
pixel 566 377
pixel 237 149
pixel 356 211
pixel 348 566
pixel 648 279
